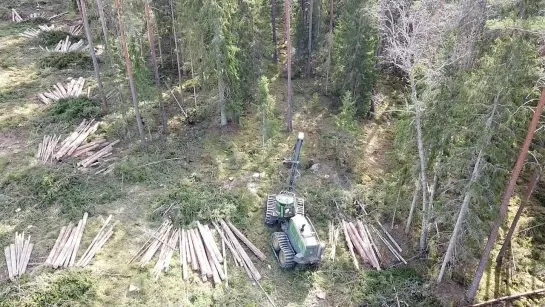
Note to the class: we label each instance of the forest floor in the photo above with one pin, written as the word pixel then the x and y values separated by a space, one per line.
pixel 200 160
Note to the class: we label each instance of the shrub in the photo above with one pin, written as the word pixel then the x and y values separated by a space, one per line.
pixel 51 38
pixel 63 60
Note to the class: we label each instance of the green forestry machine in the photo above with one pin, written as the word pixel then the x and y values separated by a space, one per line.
pixel 298 241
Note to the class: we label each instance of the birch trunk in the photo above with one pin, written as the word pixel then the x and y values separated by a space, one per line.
pixel 287 16
pixel 91 48
pixel 103 22
pixel 470 295
pixel 129 74
pixel 151 39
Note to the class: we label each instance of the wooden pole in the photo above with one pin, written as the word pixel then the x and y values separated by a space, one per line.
pixel 7 254
pixel 229 245
pixel 192 252
pixel 200 253
pixel 252 247
pixel 350 245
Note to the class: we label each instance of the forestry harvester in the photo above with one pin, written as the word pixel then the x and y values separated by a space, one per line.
pixel 298 241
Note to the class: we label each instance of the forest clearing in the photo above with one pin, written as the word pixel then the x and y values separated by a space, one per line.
pixel 272 153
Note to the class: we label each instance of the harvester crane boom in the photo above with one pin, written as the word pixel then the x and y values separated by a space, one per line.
pixel 295 161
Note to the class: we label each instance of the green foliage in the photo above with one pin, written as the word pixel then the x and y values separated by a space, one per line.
pixel 346 120
pixel 60 60
pixel 353 60
pixel 267 108
pixel 52 38
pixel 194 200
pixel 385 288
pixel 42 187
pixel 73 109
pixel 73 289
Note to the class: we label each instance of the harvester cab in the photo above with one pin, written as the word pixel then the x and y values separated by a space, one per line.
pixel 298 241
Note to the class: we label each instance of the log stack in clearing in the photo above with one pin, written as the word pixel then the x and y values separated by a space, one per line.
pixel 72 89
pixel 64 252
pixel 198 251
pixel 65 46
pixel 102 236
pixel 17 256
pixel 73 146
pixel 15 17
pixel 46 149
pixel 361 241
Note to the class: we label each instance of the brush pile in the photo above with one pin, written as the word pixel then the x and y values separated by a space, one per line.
pixel 72 89
pixel 199 251
pixel 66 246
pixel 360 239
pixel 65 46
pixel 17 256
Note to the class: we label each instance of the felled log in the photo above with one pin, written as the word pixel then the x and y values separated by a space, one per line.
pixel 373 244
pixel 251 246
pixel 357 241
pixel 99 154
pixel 389 236
pixel 154 246
pixel 510 297
pixel 350 245
pixel 183 253
pixel 201 254
pixel 192 252
pixel 215 248
pixel 246 260
pixel 233 250
pixel 208 241
pixel 367 245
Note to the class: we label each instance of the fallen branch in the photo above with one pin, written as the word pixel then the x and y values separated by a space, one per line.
pixel 510 297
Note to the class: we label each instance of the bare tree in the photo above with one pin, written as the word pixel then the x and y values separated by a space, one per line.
pixel 273 24
pixel 329 44
pixel 529 189
pixel 412 33
pixel 413 206
pixel 128 65
pixel 151 39
pixel 102 22
pixel 287 16
pixel 311 8
pixel 505 200
pixel 468 194
pixel 91 48
pixel 177 51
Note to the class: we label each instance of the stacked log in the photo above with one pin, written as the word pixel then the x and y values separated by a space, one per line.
pixel 17 256
pixel 36 15
pixel 65 46
pixel 360 241
pixel 46 149
pixel 75 30
pixel 98 242
pixel 57 15
pixel 199 251
pixel 74 140
pixel 94 158
pixel 64 252
pixel 72 89
pixel 30 33
pixel 15 17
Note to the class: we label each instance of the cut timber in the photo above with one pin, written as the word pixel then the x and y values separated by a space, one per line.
pixel 71 89
pixel 201 254
pixel 373 244
pixel 236 256
pixel 17 255
pixel 510 297
pixel 217 252
pixel 368 245
pixel 56 251
pixel 99 154
pixel 7 254
pixel 208 241
pixel 350 245
pixel 252 247
pixel 246 259
pixel 183 253
pixel 358 242
pixel 155 245
pixel 388 245
pixel 95 240
pixel 192 252
pixel 215 276
pixel 389 236
pixel 78 240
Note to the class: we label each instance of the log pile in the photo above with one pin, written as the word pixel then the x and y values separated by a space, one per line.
pixel 57 15
pixel 76 139
pixel 64 252
pixel 31 33
pixel 72 89
pixel 36 16
pixel 199 251
pixel 15 17
pixel 360 239
pixel 17 256
pixel 75 30
pixel 46 149
pixel 65 46
pixel 98 242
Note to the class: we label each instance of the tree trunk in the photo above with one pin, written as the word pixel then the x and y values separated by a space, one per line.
pixel 129 74
pixel 287 16
pixel 273 23
pixel 507 241
pixel 93 55
pixel 179 61
pixel 221 96
pixel 329 45
pixel 311 8
pixel 413 206
pixel 423 176
pixel 151 38
pixel 505 200
pixel 103 22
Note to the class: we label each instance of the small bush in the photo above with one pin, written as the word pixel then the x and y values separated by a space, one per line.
pixel 64 60
pixel 68 110
pixel 199 201
pixel 51 38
